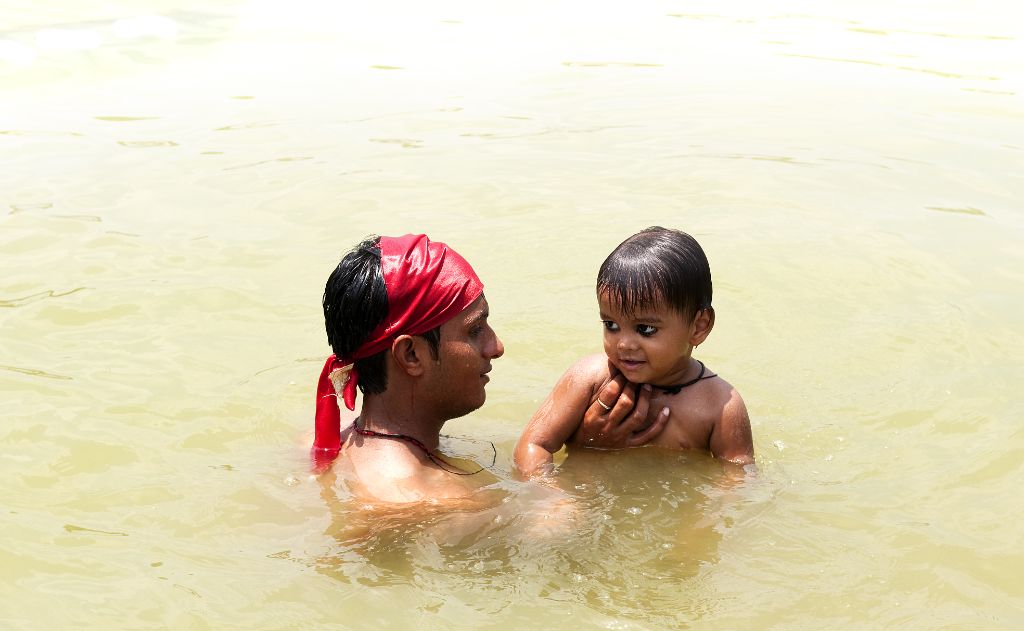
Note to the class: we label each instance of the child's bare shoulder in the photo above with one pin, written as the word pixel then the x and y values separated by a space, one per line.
pixel 731 437
pixel 696 414
pixel 590 373
pixel 720 392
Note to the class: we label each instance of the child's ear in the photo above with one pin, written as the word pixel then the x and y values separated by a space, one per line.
pixel 702 325
pixel 406 354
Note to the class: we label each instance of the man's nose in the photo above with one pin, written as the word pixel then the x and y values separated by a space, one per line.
pixel 499 348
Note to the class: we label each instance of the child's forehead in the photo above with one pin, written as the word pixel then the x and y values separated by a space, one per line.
pixel 612 303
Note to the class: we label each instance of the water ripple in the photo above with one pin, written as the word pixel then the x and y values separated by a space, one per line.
pixel 610 64
pixel 18 208
pixel 126 119
pixel 25 300
pixel 143 144
pixel 405 143
pixel 967 210
pixel 37 373
pixel 256 164
pixel 36 132
pixel 74 528
pixel 866 62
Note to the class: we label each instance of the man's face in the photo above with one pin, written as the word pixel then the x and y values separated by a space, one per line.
pixel 468 344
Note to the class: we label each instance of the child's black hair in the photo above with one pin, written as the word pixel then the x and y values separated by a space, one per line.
pixel 355 303
pixel 657 266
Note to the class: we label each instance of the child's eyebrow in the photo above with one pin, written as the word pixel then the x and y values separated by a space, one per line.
pixel 652 319
pixel 646 318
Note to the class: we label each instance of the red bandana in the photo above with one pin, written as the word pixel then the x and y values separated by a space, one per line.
pixel 428 284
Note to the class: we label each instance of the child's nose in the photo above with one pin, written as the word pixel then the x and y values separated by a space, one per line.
pixel 627 341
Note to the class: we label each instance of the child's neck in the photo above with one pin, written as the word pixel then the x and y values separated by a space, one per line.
pixel 691 374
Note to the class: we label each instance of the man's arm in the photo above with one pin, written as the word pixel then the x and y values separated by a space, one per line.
pixel 612 429
pixel 731 438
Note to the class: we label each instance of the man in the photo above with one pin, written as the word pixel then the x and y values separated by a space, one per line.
pixel 407 320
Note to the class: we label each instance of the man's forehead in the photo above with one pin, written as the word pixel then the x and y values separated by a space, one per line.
pixel 475 309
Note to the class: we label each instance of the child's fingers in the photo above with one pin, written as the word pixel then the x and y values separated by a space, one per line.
pixel 647 435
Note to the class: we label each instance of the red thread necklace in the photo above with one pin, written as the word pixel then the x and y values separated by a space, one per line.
pixel 444 466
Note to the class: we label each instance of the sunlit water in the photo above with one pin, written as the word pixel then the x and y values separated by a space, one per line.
pixel 178 179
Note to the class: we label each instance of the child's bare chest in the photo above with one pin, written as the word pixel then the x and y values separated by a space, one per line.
pixel 689 424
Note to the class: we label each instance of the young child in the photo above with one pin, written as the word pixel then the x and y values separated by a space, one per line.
pixel 654 294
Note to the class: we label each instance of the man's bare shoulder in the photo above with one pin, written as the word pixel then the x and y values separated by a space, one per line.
pixel 425 485
pixel 392 475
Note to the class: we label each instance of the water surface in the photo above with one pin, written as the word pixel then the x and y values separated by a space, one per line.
pixel 178 179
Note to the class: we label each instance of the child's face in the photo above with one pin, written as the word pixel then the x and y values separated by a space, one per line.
pixel 651 346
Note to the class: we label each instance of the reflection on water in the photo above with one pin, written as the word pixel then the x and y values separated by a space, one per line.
pixel 624 534
pixel 179 178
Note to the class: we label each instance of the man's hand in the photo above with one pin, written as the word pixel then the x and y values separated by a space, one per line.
pixel 615 419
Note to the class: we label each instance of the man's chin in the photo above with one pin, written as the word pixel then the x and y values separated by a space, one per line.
pixel 460 412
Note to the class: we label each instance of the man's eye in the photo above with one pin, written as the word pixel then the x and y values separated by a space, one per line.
pixel 611 326
pixel 646 330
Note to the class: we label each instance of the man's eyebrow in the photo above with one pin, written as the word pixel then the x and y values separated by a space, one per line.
pixel 478 317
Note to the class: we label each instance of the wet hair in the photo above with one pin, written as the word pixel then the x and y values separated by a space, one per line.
pixel 355 303
pixel 657 266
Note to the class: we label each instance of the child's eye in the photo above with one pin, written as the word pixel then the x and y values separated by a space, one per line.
pixel 609 325
pixel 646 330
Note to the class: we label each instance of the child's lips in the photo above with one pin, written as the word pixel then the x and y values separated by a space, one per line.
pixel 630 364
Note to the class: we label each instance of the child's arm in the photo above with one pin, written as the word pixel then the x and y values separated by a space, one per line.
pixel 731 438
pixel 571 402
pixel 556 419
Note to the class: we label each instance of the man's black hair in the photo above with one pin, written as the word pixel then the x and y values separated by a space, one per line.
pixel 656 266
pixel 355 303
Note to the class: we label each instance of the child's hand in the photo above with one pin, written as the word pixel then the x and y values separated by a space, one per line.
pixel 616 417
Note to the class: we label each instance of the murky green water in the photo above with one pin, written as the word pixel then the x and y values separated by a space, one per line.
pixel 178 179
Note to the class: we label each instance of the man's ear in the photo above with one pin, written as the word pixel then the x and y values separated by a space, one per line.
pixel 702 325
pixel 407 354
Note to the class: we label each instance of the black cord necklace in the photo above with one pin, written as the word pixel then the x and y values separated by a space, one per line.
pixel 676 388
pixel 444 466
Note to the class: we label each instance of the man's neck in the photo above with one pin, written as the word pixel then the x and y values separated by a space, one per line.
pixel 381 413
